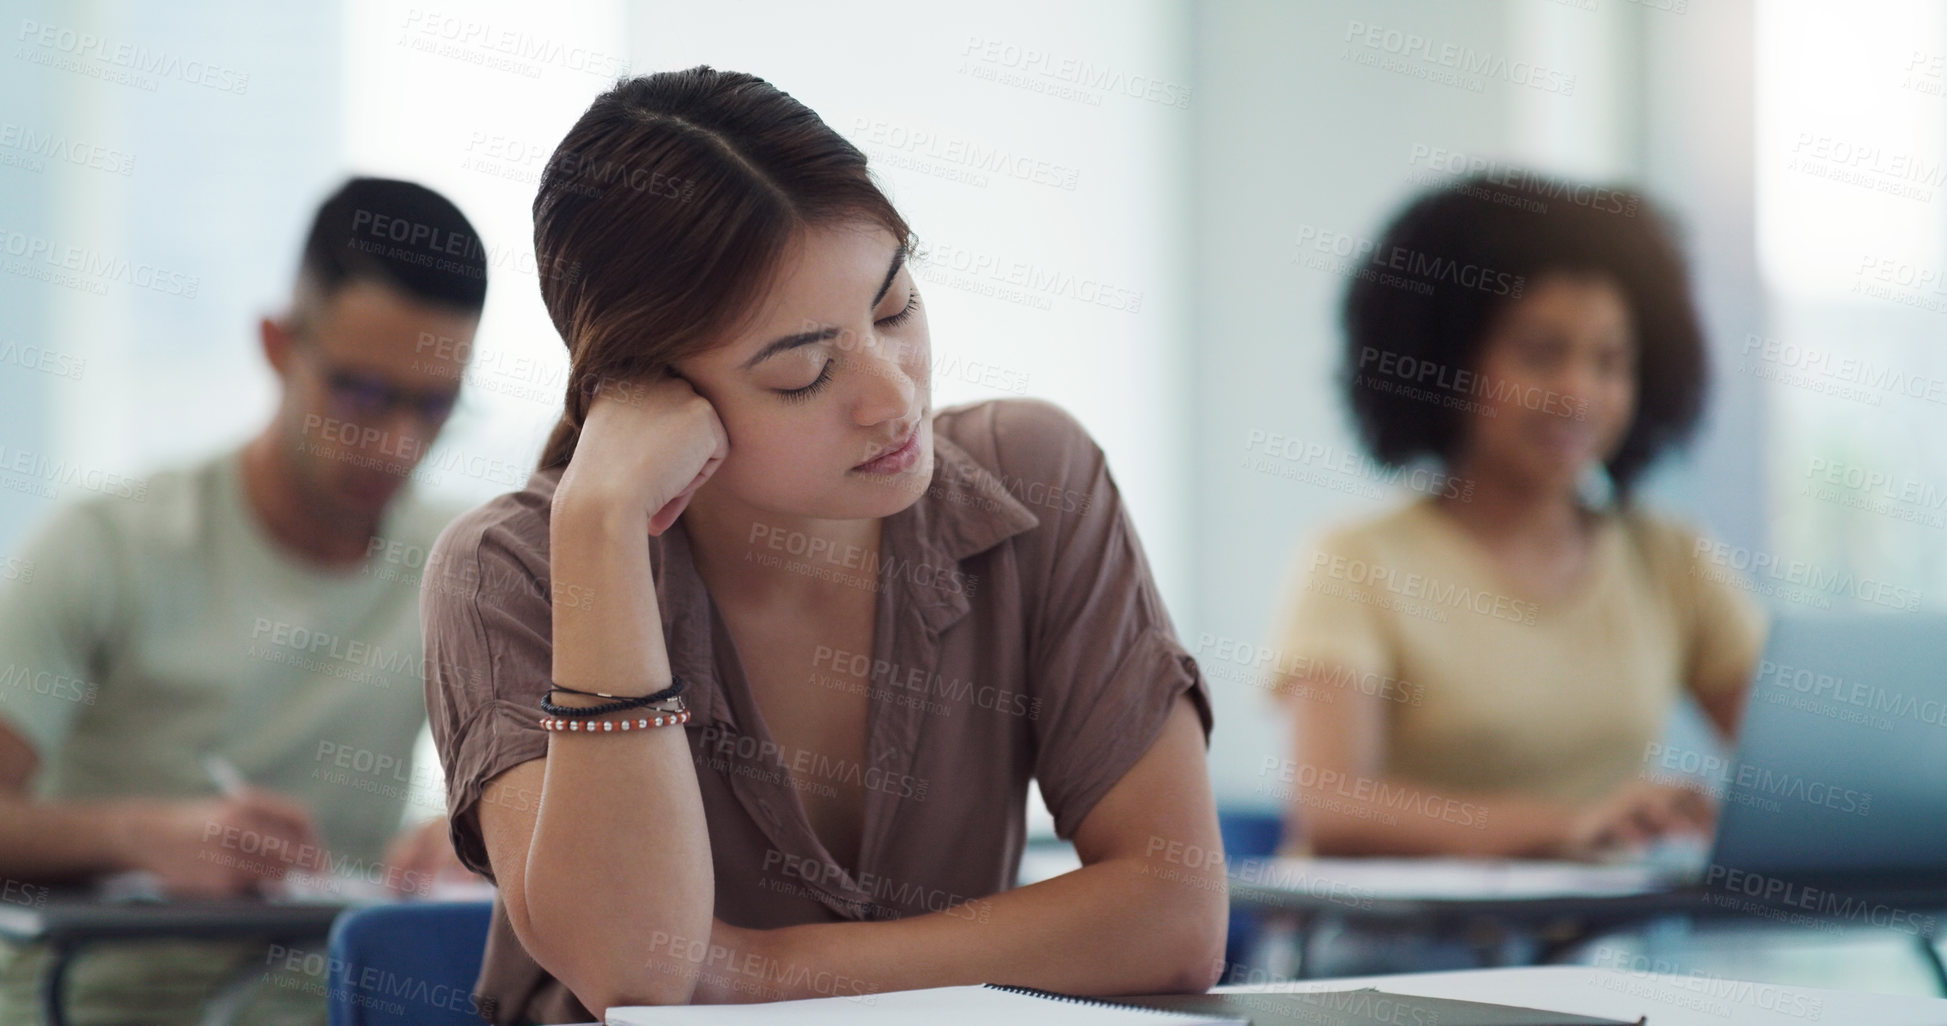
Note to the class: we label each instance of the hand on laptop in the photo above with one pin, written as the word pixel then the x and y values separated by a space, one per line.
pixel 1635 815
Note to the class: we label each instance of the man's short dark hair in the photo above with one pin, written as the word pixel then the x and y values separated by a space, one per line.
pixel 401 235
pixel 1455 258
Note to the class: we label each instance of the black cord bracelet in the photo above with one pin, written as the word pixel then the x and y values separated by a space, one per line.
pixel 581 712
pixel 620 704
pixel 676 686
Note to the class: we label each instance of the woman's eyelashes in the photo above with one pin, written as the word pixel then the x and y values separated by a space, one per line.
pixel 912 303
pixel 797 395
pixel 825 374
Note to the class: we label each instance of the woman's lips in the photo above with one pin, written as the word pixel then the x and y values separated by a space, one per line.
pixel 897 460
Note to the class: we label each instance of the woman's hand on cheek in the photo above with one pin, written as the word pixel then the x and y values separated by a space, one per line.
pixel 645 449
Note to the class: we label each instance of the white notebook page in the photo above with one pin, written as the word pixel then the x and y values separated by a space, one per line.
pixel 936 1006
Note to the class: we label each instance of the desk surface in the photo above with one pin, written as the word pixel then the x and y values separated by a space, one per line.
pixel 1665 1000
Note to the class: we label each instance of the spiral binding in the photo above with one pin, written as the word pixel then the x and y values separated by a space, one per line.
pixel 1055 995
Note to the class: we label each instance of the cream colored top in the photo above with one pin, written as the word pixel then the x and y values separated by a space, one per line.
pixel 1489 690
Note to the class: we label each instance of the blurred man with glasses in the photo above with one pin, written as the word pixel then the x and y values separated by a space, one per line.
pixel 213 686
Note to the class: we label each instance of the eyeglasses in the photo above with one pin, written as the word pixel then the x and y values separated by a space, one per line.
pixel 359 396
pixel 364 397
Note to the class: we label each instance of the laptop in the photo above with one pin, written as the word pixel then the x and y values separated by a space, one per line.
pixel 1839 784
pixel 1841 770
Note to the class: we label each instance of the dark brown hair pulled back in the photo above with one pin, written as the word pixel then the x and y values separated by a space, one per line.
pixel 671 201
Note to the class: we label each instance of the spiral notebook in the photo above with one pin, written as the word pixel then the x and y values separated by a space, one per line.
pixel 991 1003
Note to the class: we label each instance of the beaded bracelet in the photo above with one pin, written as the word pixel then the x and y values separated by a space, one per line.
pixel 613 726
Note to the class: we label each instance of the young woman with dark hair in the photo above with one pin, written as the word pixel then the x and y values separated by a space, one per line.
pixel 886 618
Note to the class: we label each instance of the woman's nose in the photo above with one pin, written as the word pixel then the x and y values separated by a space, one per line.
pixel 887 389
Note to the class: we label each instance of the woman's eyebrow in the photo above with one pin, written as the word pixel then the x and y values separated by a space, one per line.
pixel 805 338
pixel 898 260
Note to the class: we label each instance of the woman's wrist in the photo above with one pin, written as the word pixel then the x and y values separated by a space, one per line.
pixel 588 505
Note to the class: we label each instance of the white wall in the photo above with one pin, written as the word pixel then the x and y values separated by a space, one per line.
pixel 225 136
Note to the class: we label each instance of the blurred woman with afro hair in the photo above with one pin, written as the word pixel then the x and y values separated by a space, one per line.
pixel 1508 646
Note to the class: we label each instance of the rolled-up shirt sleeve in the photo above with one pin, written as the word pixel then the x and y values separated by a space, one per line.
pixel 488 625
pixel 1104 658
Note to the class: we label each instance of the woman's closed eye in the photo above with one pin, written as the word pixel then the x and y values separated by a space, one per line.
pixel 800 394
pixel 912 303
pixel 825 373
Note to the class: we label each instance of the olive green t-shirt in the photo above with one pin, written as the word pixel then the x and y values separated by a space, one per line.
pixel 144 629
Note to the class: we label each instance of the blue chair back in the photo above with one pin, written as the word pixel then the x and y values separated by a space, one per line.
pixel 407 964
pixel 1247 833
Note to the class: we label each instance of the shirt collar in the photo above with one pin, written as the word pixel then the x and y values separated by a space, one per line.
pixel 966 510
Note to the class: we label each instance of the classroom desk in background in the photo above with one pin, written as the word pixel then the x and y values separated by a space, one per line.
pixel 1560 904
pixel 69 921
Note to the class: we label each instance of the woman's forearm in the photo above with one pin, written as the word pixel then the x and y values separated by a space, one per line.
pixel 620 854
pixel 1118 926
pixel 1354 815
pixel 1339 802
